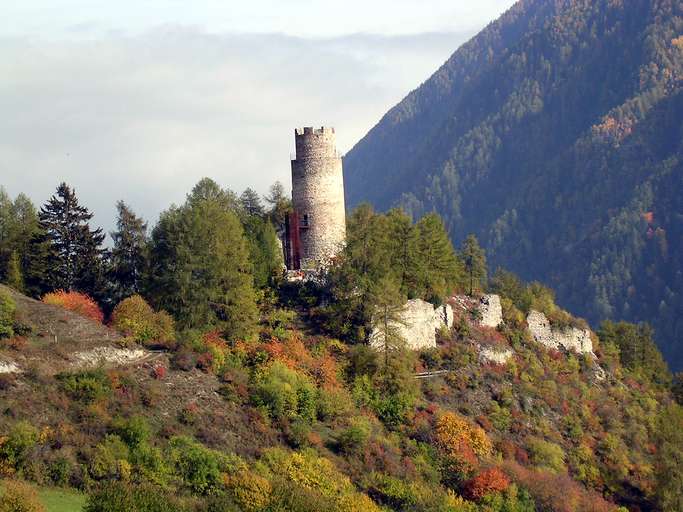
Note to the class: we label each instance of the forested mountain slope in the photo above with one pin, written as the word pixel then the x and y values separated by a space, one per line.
pixel 556 136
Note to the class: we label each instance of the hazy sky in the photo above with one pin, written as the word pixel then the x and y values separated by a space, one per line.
pixel 138 100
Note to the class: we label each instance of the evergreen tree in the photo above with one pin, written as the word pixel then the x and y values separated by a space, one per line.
pixel 15 278
pixel 208 190
pixel 38 257
pixel 279 203
pixel 75 257
pixel 251 203
pixel 439 267
pixel 129 255
pixel 669 465
pixel 637 350
pixel 200 270
pixel 474 259
pixel 403 247
pixel 18 224
pixel 265 252
pixel 386 320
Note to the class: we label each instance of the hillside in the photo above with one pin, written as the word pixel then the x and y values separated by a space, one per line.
pixel 294 418
pixel 556 136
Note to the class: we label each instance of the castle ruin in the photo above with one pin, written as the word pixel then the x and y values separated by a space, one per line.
pixel 316 229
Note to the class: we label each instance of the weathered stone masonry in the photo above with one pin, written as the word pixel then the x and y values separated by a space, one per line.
pixel 318 225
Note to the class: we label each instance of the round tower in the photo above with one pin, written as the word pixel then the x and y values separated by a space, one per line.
pixel 317 196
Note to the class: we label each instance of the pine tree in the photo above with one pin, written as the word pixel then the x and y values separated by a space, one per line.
pixel 279 203
pixel 251 203
pixel 474 258
pixel 75 255
pixel 129 255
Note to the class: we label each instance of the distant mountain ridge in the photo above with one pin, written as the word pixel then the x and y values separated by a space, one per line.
pixel 555 135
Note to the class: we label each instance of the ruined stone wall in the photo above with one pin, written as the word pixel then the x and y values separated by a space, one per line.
pixel 490 310
pixel 570 338
pixel 318 195
pixel 419 323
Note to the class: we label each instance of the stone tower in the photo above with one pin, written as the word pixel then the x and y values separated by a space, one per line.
pixel 316 230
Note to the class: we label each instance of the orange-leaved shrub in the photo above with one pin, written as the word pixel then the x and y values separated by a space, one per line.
pixel 486 482
pixel 136 319
pixel 453 431
pixel 77 302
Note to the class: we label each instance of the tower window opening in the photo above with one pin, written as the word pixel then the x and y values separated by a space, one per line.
pixel 304 221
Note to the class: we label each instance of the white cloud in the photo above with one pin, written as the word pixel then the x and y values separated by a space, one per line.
pixel 142 118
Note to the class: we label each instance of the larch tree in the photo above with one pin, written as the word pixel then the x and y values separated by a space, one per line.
pixel 200 270
pixel 474 259
pixel 439 268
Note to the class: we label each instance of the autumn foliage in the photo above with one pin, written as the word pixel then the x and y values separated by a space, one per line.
pixel 488 481
pixel 77 302
pixel 453 431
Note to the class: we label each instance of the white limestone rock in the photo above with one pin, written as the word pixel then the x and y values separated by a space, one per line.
pixel 444 317
pixel 494 356
pixel 107 355
pixel 490 310
pixel 9 367
pixel 570 338
pixel 418 325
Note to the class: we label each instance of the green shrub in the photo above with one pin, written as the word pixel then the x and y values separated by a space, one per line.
pixel 120 497
pixel 87 386
pixel 110 459
pixel 285 393
pixel 199 467
pixel 137 320
pixel 16 448
pixel 354 438
pixel 546 454
pixel 134 431
pixel 7 313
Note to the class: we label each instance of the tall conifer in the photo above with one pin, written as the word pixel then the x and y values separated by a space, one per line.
pixel 129 255
pixel 75 254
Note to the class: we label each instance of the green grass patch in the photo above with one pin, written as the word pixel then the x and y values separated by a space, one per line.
pixel 59 500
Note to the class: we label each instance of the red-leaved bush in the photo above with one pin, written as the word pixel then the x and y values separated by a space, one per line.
pixel 486 482
pixel 77 302
pixel 557 492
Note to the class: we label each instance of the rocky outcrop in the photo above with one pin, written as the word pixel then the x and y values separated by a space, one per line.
pixel 444 316
pixel 490 355
pixel 418 324
pixel 107 355
pixel 490 310
pixel 569 338
pixel 9 367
